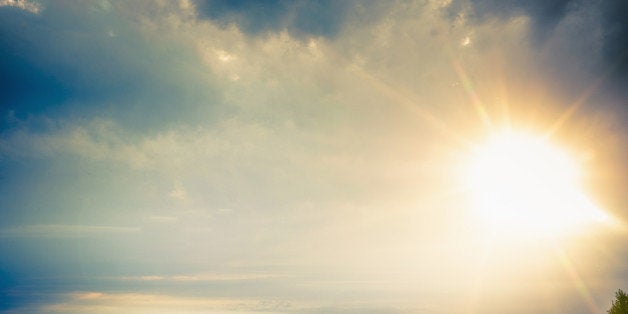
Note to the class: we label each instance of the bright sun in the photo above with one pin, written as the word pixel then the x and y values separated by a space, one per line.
pixel 525 186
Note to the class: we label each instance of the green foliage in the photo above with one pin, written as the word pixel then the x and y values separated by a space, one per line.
pixel 620 304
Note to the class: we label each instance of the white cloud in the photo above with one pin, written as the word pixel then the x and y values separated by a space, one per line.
pixel 98 140
pixel 179 192
pixel 26 5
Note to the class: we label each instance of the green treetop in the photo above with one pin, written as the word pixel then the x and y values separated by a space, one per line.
pixel 620 304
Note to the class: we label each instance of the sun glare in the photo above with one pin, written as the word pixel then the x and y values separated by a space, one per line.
pixel 525 186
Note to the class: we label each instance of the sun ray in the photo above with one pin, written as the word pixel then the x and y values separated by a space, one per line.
pixel 577 280
pixel 573 108
pixel 478 105
pixel 410 103
pixel 504 102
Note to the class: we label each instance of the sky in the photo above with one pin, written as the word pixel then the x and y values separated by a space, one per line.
pixel 292 156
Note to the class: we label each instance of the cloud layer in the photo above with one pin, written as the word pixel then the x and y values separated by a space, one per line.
pixel 295 156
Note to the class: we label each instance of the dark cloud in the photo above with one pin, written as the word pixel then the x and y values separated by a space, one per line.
pixel 546 15
pixel 24 84
pixel 615 25
pixel 88 60
pixel 301 19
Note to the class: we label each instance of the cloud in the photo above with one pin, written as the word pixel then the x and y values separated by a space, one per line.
pixel 178 192
pixel 26 5
pixel 64 231
pixel 242 138
pixel 64 62
pixel 204 277
pixel 615 33
pixel 98 140
pixel 101 302
pixel 544 14
pixel 606 16
pixel 302 19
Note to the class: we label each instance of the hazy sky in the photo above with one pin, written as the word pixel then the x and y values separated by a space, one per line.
pixel 227 156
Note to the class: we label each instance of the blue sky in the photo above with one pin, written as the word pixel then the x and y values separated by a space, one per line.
pixel 299 156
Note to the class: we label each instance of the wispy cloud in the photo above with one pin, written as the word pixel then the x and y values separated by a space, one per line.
pixel 204 277
pixel 64 231
pixel 102 302
pixel 135 303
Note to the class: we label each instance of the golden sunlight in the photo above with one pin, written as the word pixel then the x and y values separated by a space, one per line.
pixel 525 186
